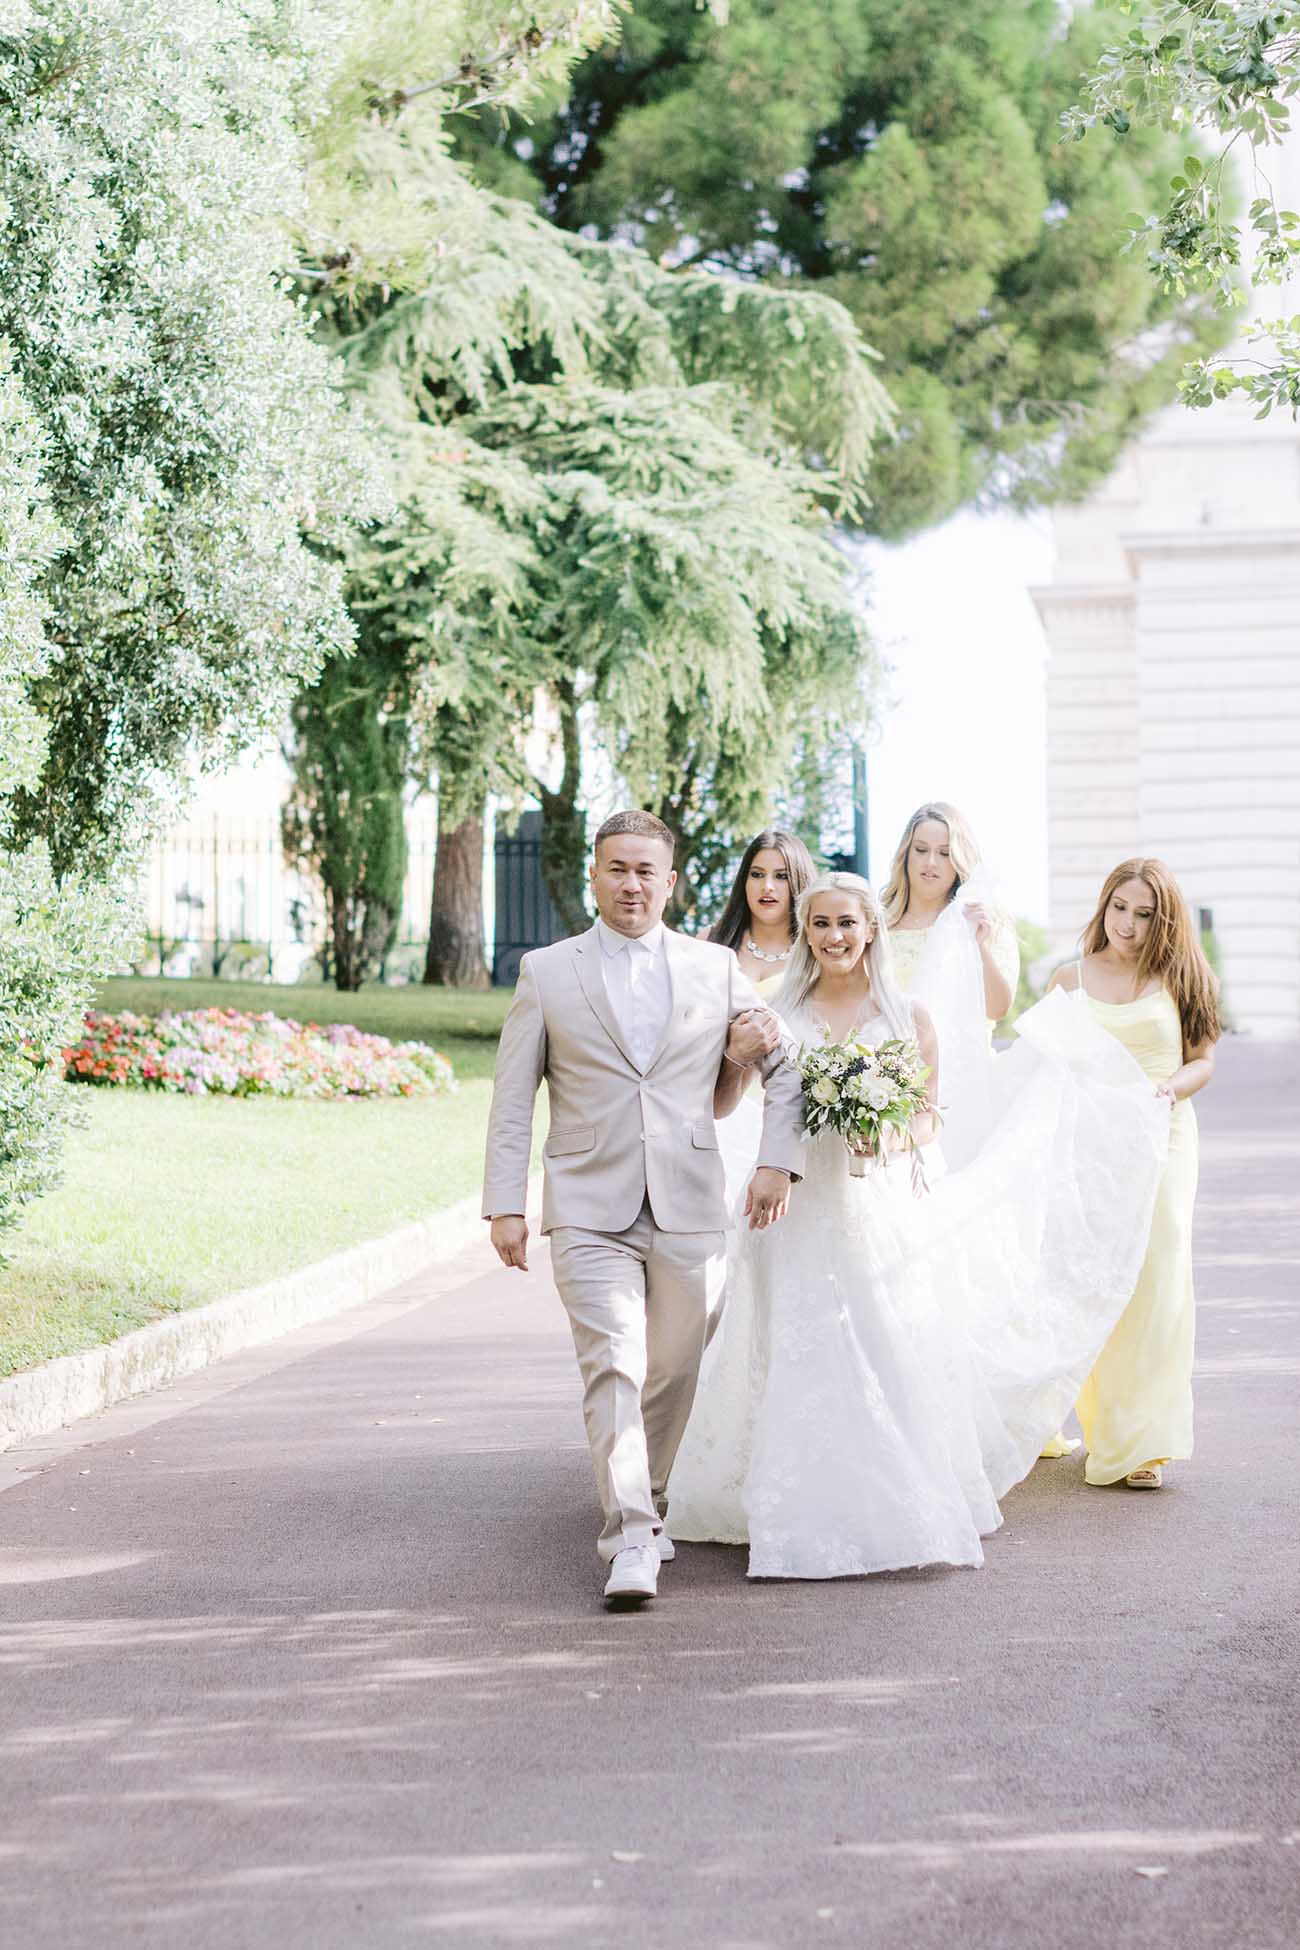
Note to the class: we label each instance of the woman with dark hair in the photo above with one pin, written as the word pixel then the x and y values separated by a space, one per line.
pixel 758 922
pixel 1143 977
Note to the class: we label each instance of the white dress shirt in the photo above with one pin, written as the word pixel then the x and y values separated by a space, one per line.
pixel 638 986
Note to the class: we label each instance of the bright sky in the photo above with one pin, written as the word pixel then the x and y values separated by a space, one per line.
pixel 953 618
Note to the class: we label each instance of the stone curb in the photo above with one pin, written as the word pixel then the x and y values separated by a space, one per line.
pixel 49 1397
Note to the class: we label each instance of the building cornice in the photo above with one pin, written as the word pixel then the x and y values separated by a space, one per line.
pixel 1077 595
pixel 1154 543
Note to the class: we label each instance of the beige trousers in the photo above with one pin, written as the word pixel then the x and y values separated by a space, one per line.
pixel 642 1305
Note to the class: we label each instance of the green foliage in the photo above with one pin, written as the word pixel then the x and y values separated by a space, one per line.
pixel 616 489
pixel 1229 68
pixel 907 161
pixel 344 820
pixel 1033 944
pixel 176 464
pixel 53 937
pixel 195 446
pixel 1213 952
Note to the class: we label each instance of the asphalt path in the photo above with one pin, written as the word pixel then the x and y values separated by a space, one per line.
pixel 308 1652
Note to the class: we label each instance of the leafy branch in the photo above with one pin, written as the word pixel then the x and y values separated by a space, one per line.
pixel 1231 68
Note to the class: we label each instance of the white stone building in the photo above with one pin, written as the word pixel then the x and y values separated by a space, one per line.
pixel 1173 686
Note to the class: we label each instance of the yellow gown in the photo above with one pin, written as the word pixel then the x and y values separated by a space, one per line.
pixel 1136 1405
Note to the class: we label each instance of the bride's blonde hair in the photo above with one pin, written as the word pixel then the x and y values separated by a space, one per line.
pixel 802 970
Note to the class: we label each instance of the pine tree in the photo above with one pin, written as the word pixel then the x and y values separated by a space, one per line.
pixel 617 489
pixel 910 162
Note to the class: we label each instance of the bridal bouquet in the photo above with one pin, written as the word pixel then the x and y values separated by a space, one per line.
pixel 862 1093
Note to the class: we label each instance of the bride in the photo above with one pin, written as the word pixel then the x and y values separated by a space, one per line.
pixel 876 1383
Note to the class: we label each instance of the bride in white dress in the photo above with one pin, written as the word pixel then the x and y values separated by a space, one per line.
pixel 876 1383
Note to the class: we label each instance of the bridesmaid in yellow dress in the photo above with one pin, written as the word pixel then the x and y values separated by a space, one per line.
pixel 1145 979
pixel 936 856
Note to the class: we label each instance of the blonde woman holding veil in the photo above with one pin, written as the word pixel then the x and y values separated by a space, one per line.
pixel 955 948
pixel 936 859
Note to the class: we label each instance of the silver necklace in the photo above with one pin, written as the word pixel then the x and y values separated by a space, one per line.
pixel 760 954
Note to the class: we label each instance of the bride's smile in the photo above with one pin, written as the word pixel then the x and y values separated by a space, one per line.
pixel 838 936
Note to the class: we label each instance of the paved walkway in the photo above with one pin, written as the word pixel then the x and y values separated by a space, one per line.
pixel 308 1653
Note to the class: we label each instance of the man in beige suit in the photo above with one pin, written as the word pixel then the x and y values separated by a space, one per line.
pixel 637 1032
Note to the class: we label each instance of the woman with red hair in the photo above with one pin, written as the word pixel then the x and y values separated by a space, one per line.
pixel 1144 978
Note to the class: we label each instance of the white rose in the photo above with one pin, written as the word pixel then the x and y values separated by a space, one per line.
pixel 879 1096
pixel 857 1088
pixel 824 1091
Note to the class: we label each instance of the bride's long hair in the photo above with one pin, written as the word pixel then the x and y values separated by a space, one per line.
pixel 802 968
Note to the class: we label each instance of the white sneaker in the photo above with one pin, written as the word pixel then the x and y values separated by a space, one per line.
pixel 633 1577
pixel 666 1548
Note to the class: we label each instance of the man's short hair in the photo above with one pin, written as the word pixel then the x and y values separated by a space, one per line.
pixel 643 824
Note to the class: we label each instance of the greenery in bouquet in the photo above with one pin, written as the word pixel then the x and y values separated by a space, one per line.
pixel 862 1093
pixel 227 1052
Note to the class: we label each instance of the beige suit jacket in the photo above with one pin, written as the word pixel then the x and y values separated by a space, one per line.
pixel 617 1132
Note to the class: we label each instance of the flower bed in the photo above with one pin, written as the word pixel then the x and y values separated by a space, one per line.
pixel 226 1052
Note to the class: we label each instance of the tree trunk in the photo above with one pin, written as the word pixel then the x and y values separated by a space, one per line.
pixel 564 824
pixel 347 973
pixel 455 954
pixel 362 932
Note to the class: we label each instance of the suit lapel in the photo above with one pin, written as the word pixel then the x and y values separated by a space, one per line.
pixel 678 986
pixel 591 977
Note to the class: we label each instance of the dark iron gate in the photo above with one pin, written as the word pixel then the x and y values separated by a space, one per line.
pixel 525 917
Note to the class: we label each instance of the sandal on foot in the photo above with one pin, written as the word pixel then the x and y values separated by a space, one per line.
pixel 1150 1477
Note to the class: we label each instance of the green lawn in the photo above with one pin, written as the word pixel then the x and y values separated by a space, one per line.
pixel 168 1201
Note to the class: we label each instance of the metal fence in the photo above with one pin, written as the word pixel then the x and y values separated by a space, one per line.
pixel 220 899
pixel 525 917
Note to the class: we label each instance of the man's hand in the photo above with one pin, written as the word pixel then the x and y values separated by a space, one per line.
pixel 768 1197
pixel 510 1237
pixel 753 1033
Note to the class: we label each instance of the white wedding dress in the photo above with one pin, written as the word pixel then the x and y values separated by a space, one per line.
pixel 887 1366
pixel 834 1427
